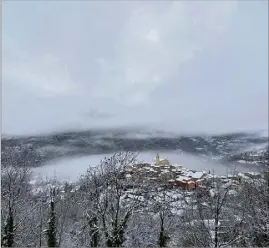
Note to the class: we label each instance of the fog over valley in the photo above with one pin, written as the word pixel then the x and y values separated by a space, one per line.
pixel 135 124
pixel 149 76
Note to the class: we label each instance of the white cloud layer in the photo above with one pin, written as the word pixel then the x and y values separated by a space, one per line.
pixel 190 66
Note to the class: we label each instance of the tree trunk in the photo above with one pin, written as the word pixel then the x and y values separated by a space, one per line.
pixel 8 239
pixel 52 227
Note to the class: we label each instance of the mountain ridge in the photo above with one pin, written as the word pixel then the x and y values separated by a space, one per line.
pixel 229 147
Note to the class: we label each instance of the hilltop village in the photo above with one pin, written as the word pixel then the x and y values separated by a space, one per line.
pixel 162 172
pixel 171 177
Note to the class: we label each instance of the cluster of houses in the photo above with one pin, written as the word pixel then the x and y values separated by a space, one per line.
pixel 172 175
pixel 176 176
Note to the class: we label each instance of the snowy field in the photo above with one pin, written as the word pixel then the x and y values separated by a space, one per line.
pixel 72 167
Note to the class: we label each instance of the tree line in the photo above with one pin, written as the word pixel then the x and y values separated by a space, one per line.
pixel 104 209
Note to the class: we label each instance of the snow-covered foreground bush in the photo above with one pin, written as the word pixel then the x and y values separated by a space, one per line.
pixel 104 209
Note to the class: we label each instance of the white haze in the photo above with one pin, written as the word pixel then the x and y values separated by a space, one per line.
pixel 180 66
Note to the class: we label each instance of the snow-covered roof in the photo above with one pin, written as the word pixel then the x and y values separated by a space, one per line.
pixel 189 174
pixel 197 175
pixel 182 178
pixel 231 175
pixel 254 173
pixel 177 165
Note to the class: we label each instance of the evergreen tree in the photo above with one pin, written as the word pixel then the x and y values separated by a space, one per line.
pixel 51 232
pixel 8 235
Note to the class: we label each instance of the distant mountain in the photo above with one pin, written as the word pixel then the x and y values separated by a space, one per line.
pixel 37 150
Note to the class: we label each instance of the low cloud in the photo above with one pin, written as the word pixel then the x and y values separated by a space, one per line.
pixel 181 65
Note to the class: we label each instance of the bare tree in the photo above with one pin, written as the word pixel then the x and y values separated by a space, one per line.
pixel 109 200
pixel 161 205
pixel 254 201
pixel 15 192
pixel 210 219
pixel 142 230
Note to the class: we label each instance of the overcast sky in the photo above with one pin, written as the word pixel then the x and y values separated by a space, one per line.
pixel 181 66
